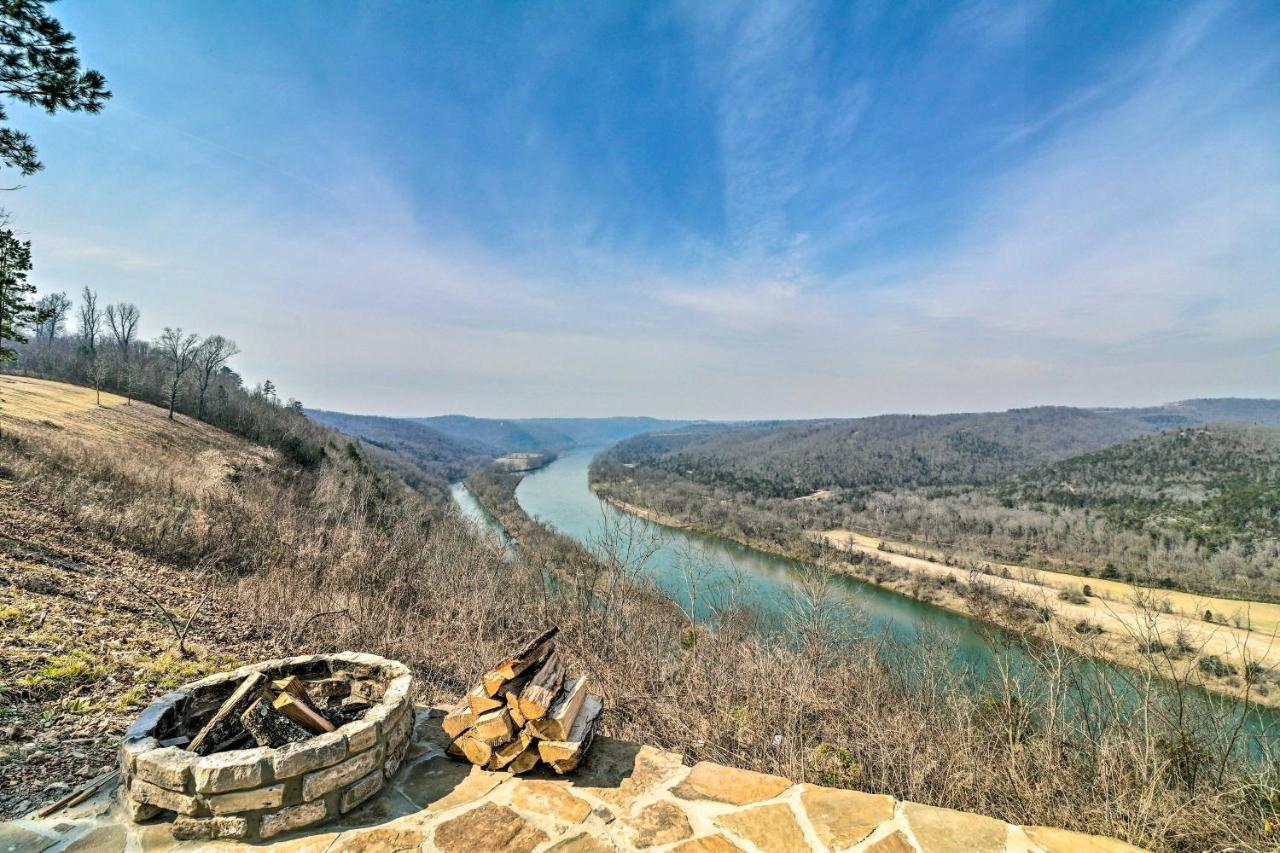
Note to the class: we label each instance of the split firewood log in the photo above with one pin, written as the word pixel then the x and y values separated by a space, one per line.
pixel 225 722
pixel 483 703
pixel 477 751
pixel 494 728
pixel 504 755
pixel 458 720
pixel 559 718
pixel 302 713
pixel 534 651
pixel 538 695
pixel 565 755
pixel 525 761
pixel 513 708
pixel 271 728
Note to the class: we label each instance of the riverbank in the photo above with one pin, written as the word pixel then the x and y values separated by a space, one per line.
pixel 916 702
pixel 1137 633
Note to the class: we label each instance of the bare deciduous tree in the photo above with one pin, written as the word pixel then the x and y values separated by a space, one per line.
pixel 212 355
pixel 180 352
pixel 122 319
pixel 54 307
pixel 90 322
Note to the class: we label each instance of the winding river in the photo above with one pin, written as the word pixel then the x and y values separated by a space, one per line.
pixel 559 497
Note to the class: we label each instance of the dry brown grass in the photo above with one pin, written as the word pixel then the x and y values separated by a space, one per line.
pixel 341 557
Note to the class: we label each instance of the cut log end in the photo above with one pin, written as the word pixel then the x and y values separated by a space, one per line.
pixel 538 695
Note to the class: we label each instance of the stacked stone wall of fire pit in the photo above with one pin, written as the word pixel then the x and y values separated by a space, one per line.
pixel 263 792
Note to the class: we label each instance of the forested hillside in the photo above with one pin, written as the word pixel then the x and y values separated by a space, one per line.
pixel 497 436
pixel 1090 492
pixel 888 451
pixel 430 450
pixel 1211 483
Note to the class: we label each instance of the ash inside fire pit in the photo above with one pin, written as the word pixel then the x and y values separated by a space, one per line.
pixel 269 747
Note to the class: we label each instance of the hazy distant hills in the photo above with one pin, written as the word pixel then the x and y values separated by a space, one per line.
pixel 498 436
pixel 883 451
pixel 433 451
pixel 782 459
pixel 452 446
pixel 793 458
pixel 1204 411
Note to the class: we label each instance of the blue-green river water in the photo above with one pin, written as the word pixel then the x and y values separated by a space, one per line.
pixel 559 497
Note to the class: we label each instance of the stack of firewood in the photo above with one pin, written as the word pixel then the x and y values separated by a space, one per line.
pixel 525 710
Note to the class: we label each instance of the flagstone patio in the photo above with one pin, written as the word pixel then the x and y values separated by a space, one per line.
pixel 626 797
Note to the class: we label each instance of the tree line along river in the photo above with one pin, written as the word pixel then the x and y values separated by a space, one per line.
pixel 560 497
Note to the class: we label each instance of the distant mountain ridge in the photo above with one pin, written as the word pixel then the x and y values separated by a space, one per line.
pixel 790 459
pixel 543 434
pixel 452 446
pixel 431 450
pixel 1199 412
pixel 498 436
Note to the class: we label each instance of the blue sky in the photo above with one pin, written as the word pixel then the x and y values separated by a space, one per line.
pixel 705 209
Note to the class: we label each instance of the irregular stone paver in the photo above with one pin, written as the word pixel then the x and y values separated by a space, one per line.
pixel 384 840
pixel 707 781
pixel 896 843
pixel 109 838
pixel 1066 841
pixel 582 843
pixel 949 831
pixel 621 773
pixel 707 844
pixel 551 799
pixel 157 836
pixel 317 843
pixel 773 828
pixel 488 827
pixel 17 838
pixel 842 818
pixel 660 823
pixel 441 783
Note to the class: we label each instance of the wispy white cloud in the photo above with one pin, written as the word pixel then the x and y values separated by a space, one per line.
pixel 749 308
pixel 1156 216
pixel 781 119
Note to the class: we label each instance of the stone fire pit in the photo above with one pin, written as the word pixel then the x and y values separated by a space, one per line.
pixel 262 792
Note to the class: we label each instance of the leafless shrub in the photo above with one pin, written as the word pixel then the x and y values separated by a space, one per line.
pixel 1038 740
